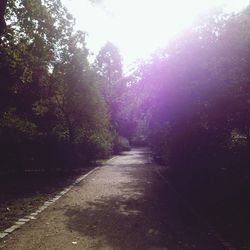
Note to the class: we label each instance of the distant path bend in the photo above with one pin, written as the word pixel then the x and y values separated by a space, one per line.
pixel 122 205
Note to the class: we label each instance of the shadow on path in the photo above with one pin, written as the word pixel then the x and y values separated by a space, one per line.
pixel 144 215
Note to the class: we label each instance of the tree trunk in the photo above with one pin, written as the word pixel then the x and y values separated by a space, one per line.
pixel 3 5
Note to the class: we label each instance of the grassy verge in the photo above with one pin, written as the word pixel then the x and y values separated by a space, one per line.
pixel 22 194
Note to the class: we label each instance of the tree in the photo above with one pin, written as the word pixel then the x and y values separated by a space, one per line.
pixel 109 64
pixel 3 5
pixel 194 93
pixel 48 91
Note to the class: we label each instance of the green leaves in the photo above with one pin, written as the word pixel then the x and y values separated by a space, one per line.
pixel 50 97
pixel 195 92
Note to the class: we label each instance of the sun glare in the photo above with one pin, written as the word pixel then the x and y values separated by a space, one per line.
pixel 137 27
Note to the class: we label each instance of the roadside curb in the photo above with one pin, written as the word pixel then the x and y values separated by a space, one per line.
pixel 46 204
pixel 111 159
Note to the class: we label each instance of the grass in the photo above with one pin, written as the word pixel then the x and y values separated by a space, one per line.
pixel 22 194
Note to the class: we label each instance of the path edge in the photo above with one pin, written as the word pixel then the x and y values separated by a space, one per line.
pixel 22 221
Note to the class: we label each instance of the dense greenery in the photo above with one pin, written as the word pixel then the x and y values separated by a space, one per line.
pixel 53 112
pixel 3 5
pixel 113 89
pixel 190 100
pixel 195 95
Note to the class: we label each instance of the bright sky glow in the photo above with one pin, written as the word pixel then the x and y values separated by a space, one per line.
pixel 138 27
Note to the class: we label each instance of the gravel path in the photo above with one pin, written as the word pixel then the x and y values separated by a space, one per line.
pixel 122 205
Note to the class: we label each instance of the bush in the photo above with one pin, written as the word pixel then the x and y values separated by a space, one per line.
pixel 120 144
pixel 139 141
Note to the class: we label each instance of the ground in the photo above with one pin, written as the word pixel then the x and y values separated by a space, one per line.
pixel 122 205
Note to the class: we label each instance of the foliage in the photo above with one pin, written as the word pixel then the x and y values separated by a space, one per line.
pixel 48 91
pixel 3 5
pixel 114 89
pixel 120 144
pixel 191 99
pixel 195 93
pixel 109 65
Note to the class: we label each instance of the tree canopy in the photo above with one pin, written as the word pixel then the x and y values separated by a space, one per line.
pixel 49 91
pixel 195 94
pixel 191 98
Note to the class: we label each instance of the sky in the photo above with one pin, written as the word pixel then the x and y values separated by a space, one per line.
pixel 138 27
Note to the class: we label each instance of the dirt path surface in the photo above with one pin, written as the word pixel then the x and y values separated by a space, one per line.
pixel 122 205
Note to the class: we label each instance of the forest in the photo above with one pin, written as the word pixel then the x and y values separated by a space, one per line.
pixel 58 110
pixel 190 99
pixel 189 102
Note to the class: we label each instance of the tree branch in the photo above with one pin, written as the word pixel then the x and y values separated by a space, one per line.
pixel 3 5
